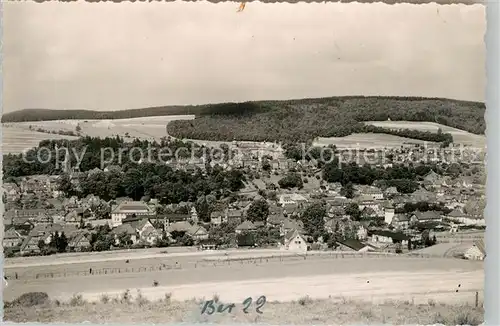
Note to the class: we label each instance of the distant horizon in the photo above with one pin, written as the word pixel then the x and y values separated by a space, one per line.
pixel 264 100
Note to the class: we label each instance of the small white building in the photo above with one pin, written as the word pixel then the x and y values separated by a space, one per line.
pixel 294 241
pixel 476 252
pixel 388 215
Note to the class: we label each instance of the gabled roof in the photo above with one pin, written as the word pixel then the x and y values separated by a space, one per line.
pixel 197 230
pixel 246 226
pixel 354 244
pixel 426 216
pixel 290 235
pixel 432 177
pixel 480 245
pixel 293 224
pixel 179 227
pixel 456 213
pixel 401 218
pixel 124 228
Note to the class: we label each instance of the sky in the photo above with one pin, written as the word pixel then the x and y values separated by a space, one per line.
pixel 109 56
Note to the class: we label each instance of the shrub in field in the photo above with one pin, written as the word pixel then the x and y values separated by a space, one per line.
pixel 76 300
pixel 140 299
pixel 31 299
pixel 304 300
pixel 126 297
pixel 105 298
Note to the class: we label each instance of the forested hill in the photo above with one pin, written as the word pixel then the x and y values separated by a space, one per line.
pixel 332 116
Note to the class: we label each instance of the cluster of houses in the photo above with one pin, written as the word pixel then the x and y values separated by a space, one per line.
pixel 379 226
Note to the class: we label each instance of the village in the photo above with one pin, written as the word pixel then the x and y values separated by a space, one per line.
pixel 39 220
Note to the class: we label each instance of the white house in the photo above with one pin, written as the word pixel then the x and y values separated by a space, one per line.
pixel 294 241
pixel 459 216
pixel 287 199
pixel 388 215
pixel 476 252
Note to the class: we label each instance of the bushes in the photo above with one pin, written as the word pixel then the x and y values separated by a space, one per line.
pixel 31 299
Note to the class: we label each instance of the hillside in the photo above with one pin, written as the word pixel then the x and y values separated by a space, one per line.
pixel 305 120
pixel 290 120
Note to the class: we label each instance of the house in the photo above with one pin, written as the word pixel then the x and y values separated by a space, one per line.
pixel 182 226
pixel 291 199
pixel 12 238
pixel 422 195
pixel 30 244
pixel 173 218
pixel 128 208
pixel 422 217
pixel 79 242
pixel 54 203
pixel 197 232
pixel 77 216
pixel 294 241
pixel 124 232
pixel 391 192
pixel 217 217
pixel 336 211
pixel 366 201
pixel 246 226
pixel 373 192
pixel 354 245
pixel 401 221
pixel 388 237
pixel 233 216
pixel 458 216
pixel 290 209
pixel 476 252
pixel 389 215
pixel 145 231
pixel 275 217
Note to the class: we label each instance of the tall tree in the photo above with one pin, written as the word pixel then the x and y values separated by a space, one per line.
pixel 258 211
pixel 313 219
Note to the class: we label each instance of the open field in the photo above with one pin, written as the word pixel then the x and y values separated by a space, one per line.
pixel 459 136
pixel 16 139
pixel 18 136
pixel 367 140
pixel 190 275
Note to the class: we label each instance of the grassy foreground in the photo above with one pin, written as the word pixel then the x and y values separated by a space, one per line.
pixel 334 311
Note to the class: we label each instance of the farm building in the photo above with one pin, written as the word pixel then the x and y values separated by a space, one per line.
pixel 476 252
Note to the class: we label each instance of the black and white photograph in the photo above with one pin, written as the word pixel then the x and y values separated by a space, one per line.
pixel 269 163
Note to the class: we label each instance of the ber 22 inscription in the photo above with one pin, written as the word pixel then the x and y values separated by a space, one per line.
pixel 211 307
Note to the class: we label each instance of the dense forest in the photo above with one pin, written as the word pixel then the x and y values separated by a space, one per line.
pixel 304 120
pixel 290 120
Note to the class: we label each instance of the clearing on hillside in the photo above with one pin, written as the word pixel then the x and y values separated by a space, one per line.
pixel 459 136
